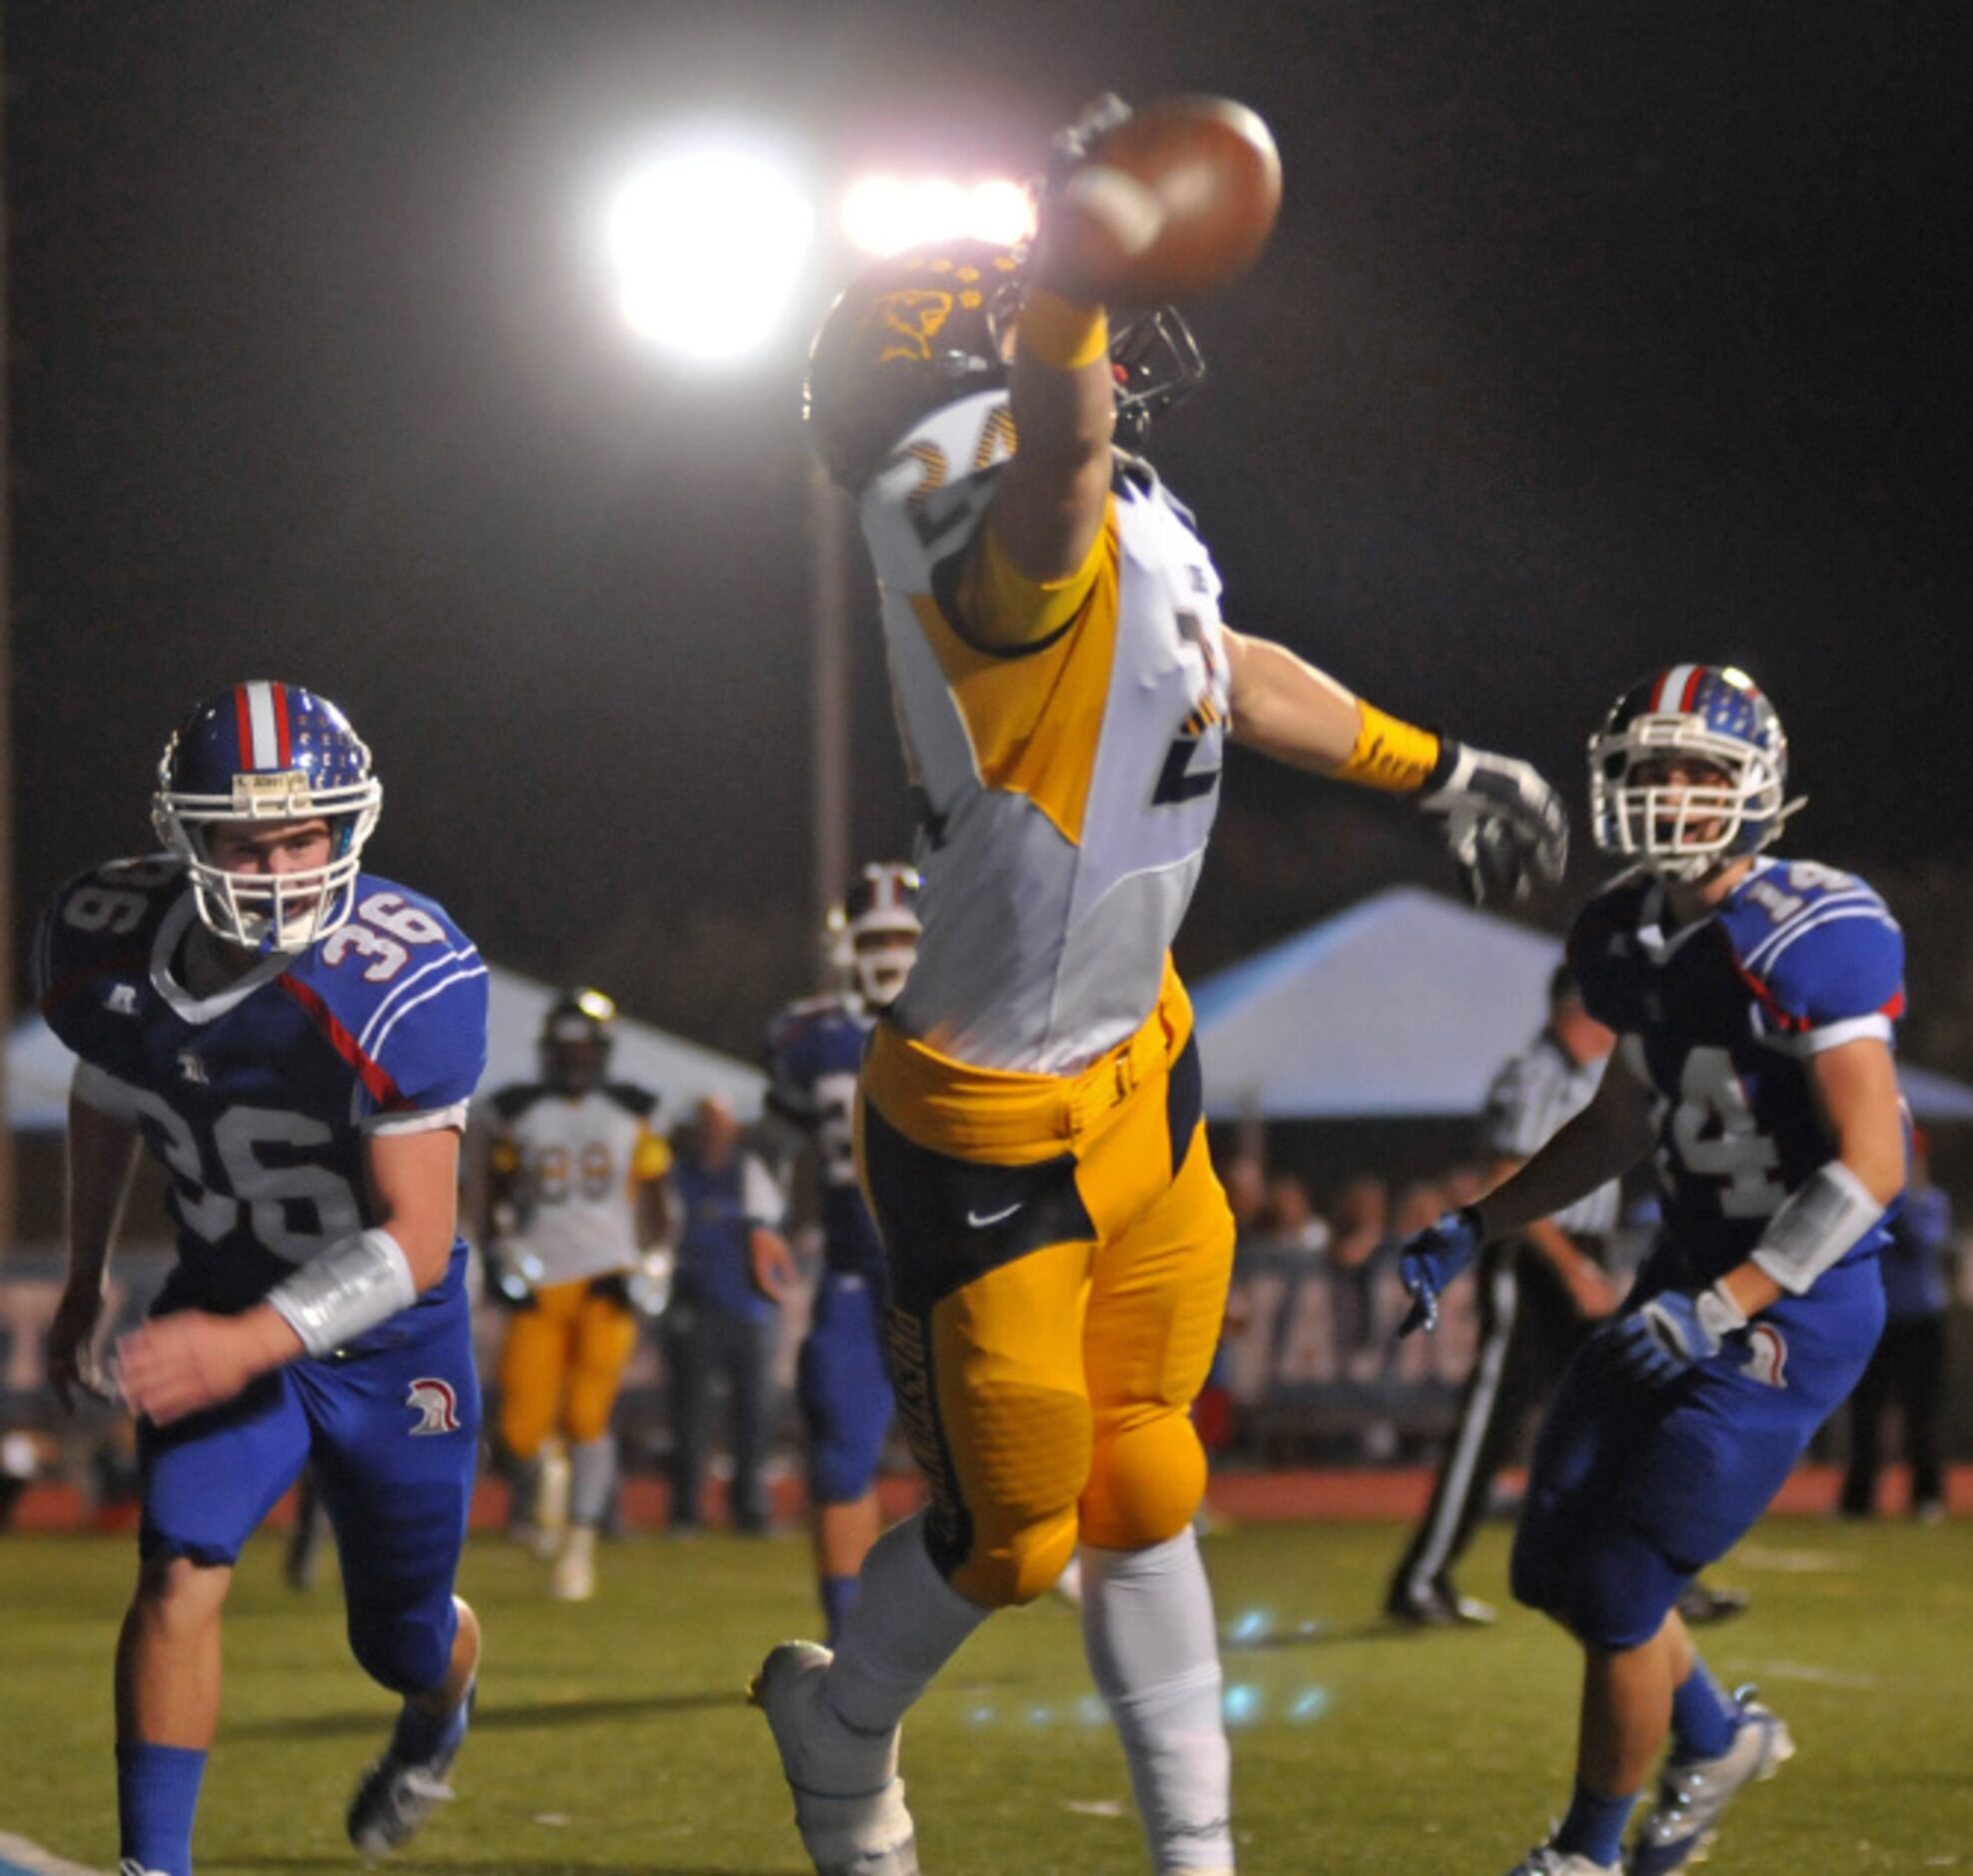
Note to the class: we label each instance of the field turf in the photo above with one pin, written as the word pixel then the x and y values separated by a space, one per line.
pixel 611 1737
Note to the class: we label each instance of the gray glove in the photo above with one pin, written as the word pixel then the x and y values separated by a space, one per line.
pixel 1503 822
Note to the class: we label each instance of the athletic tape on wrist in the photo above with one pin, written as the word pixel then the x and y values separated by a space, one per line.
pixel 345 1291
pixel 1060 333
pixel 1389 755
pixel 1822 1220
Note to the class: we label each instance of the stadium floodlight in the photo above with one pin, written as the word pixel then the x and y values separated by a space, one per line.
pixel 709 243
pixel 883 215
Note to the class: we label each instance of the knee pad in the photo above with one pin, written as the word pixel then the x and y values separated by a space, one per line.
pixel 1015 1568
pixel 1146 1481
pixel 409 1650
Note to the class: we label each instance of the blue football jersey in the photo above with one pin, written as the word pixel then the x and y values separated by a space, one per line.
pixel 1721 1018
pixel 814 1052
pixel 257 1099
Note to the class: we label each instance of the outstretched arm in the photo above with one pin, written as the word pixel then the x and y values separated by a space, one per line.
pixel 1599 1143
pixel 1503 822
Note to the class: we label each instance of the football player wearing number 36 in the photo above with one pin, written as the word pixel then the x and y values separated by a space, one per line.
pixel 1754 1001
pixel 1030 1130
pixel 295 1040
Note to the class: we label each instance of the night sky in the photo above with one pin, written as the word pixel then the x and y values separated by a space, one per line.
pixel 1593 338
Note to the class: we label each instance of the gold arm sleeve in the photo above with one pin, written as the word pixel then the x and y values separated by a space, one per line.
pixel 651 1160
pixel 1002 609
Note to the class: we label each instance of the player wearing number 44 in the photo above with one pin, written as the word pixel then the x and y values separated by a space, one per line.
pixel 1754 1001
pixel 295 1041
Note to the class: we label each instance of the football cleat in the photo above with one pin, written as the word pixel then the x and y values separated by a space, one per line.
pixel 1546 1860
pixel 848 1798
pixel 1693 1792
pixel 395 1797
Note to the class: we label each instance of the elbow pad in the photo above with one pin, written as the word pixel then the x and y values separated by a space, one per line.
pixel 1823 1219
pixel 345 1291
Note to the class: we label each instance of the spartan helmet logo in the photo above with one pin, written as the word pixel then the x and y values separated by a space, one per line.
pixel 910 321
pixel 437 1405
pixel 1767 1356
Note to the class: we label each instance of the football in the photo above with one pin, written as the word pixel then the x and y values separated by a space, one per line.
pixel 1170 205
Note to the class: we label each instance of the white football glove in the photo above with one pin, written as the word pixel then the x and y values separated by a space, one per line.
pixel 1503 822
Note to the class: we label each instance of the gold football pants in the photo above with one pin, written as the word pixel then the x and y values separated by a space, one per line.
pixel 1058 1250
pixel 561 1365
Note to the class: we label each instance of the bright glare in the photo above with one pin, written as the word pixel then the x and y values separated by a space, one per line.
pixel 708 246
pixel 883 215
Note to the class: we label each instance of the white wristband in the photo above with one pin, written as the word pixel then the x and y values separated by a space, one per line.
pixel 1826 1217
pixel 345 1291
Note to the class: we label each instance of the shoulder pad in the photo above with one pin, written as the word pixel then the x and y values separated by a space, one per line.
pixel 633 1100
pixel 103 922
pixel 512 1100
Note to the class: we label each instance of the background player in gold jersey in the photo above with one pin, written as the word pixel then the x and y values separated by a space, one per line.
pixel 1031 1134
pixel 574 1194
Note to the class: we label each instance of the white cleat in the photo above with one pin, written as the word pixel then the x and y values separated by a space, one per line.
pixel 848 1798
pixel 1693 1792
pixel 575 1579
pixel 1546 1860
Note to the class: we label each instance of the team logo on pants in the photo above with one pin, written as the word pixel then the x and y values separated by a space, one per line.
pixel 1767 1354
pixel 437 1403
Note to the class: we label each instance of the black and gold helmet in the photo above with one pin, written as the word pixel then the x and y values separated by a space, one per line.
pixel 577 1034
pixel 934 325
pixel 918 331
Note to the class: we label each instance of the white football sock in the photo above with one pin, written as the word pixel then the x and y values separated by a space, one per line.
pixel 907 1621
pixel 1155 1655
pixel 591 1473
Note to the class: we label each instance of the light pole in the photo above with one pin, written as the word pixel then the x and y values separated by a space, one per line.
pixel 711 242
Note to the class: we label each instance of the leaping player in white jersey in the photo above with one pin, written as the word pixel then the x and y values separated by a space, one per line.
pixel 1031 1134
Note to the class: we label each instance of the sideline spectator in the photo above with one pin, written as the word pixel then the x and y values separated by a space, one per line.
pixel 1290 1220
pixel 1360 1221
pixel 1911 1364
pixel 718 1322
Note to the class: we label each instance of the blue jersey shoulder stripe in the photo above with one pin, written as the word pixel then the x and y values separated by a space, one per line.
pixel 467 972
pixel 370 1036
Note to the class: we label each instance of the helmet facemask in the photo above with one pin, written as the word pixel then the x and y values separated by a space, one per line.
pixel 881 961
pixel 1685 830
pixel 268 912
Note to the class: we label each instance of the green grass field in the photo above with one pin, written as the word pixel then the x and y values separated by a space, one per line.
pixel 613 1740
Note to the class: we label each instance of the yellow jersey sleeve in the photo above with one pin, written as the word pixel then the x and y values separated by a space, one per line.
pixel 652 1158
pixel 1002 610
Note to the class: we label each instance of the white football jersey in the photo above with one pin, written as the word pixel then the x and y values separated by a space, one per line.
pixel 1067 790
pixel 577 1164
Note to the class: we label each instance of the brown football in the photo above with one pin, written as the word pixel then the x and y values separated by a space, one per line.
pixel 1170 205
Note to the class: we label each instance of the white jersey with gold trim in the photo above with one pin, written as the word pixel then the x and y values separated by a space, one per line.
pixel 1067 790
pixel 577 1163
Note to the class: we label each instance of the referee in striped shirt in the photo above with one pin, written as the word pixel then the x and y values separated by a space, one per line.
pixel 1541 1295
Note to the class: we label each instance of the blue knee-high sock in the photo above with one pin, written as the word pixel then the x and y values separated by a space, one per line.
pixel 1704 1717
pixel 157 1799
pixel 422 1739
pixel 839 1592
pixel 1595 1825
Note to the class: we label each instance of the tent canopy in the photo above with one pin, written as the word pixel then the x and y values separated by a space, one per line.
pixel 1403 1006
pixel 39 1065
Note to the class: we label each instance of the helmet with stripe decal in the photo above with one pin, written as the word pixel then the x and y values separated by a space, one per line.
pixel 1689 771
pixel 268 752
pixel 880 917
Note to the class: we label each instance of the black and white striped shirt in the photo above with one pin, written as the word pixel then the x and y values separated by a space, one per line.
pixel 1532 1096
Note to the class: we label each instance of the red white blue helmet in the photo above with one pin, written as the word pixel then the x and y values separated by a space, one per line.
pixel 265 751
pixel 880 921
pixel 1682 830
